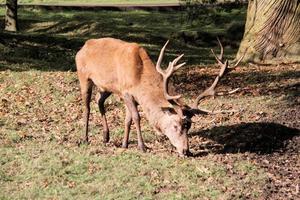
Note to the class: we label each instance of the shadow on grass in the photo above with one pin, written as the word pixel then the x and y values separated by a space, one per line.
pixel 49 52
pixel 49 40
pixel 260 138
pixel 41 52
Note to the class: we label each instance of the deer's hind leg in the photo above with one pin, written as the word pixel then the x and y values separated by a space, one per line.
pixel 101 99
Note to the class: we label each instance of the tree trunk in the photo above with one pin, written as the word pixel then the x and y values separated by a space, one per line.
pixel 11 17
pixel 272 32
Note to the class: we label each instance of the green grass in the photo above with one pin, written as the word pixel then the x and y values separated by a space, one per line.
pixel 40 159
pixel 50 39
pixel 97 1
pixel 100 1
pixel 35 171
pixel 40 124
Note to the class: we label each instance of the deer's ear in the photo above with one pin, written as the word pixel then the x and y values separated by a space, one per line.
pixel 188 112
pixel 169 110
pixel 174 110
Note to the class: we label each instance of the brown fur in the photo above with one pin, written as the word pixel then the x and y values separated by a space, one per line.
pixel 125 69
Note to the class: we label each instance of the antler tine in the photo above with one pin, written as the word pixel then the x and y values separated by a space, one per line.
pixel 216 57
pixel 175 67
pixel 211 90
pixel 222 49
pixel 224 70
pixel 208 92
pixel 220 57
pixel 238 62
pixel 160 57
pixel 168 72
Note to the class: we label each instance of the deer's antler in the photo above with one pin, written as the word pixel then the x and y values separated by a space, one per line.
pixel 224 70
pixel 168 72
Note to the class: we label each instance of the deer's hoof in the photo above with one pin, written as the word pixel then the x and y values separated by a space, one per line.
pixel 143 148
pixel 105 140
pixel 82 142
pixel 185 154
pixel 106 137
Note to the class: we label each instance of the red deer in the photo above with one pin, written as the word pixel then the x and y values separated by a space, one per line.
pixel 126 70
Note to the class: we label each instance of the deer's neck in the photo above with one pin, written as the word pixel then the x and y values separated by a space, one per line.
pixel 149 92
pixel 152 107
pixel 149 95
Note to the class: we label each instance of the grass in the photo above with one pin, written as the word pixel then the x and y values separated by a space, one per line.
pixel 41 124
pixel 50 39
pixel 41 113
pixel 35 171
pixel 97 1
pixel 40 159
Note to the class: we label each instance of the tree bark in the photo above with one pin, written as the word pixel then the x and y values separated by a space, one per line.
pixel 11 17
pixel 272 32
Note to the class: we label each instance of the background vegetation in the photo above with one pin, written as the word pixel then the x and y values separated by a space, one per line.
pixel 50 41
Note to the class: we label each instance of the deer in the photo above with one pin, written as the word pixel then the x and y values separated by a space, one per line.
pixel 125 69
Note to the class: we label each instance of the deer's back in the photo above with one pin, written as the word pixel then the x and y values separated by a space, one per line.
pixel 113 65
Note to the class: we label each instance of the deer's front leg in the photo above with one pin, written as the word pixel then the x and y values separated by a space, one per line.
pixel 132 107
pixel 101 99
pixel 128 121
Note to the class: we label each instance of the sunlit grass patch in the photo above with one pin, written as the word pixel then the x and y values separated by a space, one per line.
pixel 35 170
pixel 40 127
pixel 2 11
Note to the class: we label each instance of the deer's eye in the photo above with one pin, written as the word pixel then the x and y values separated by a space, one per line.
pixel 186 125
pixel 176 128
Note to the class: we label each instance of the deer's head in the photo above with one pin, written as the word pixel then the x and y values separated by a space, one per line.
pixel 177 119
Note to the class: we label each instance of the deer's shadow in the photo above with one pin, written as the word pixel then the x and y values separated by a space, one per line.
pixel 260 138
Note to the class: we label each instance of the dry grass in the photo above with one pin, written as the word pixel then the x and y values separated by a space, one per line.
pixel 41 124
